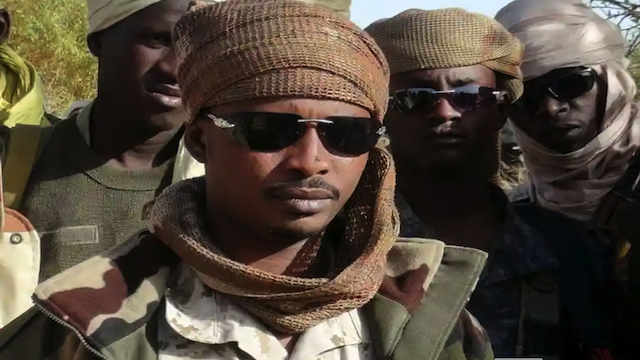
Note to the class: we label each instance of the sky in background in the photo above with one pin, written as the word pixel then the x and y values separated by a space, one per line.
pixel 364 12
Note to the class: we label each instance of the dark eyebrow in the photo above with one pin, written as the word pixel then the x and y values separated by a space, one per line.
pixel 462 82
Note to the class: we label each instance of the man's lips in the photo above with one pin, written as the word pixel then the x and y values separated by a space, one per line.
pixel 303 194
pixel 303 202
pixel 166 89
pixel 445 137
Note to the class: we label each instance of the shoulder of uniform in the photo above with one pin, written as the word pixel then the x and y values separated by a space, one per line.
pixel 520 194
pixel 468 340
pixel 52 119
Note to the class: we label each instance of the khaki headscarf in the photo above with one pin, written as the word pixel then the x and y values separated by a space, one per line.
pixel 225 58
pixel 447 38
pixel 249 49
pixel 105 13
pixel 567 33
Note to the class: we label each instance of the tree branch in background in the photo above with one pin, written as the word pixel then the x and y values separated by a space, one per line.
pixel 625 14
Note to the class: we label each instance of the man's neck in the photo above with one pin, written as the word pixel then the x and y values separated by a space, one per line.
pixel 458 210
pixel 126 141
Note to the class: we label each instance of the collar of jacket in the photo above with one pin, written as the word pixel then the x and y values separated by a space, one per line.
pixel 111 301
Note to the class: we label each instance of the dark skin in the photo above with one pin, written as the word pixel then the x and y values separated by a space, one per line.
pixel 248 225
pixel 446 183
pixel 562 126
pixel 5 25
pixel 138 100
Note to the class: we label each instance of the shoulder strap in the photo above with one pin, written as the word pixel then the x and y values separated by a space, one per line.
pixel 26 143
pixel 424 332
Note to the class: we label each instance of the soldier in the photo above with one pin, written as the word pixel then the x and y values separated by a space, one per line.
pixel 450 95
pixel 577 123
pixel 291 251
pixel 21 94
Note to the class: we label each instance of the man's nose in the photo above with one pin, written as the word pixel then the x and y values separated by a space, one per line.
pixel 443 111
pixel 168 63
pixel 308 156
pixel 551 107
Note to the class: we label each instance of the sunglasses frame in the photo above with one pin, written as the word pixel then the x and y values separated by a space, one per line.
pixel 396 104
pixel 231 128
pixel 547 89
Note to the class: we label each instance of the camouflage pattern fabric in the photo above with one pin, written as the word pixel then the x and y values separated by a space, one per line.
pixel 517 252
pixel 109 307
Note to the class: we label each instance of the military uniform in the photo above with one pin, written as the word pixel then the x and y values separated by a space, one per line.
pixel 518 297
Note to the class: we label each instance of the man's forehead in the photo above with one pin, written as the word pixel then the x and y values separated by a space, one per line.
pixel 161 14
pixel 556 73
pixel 467 74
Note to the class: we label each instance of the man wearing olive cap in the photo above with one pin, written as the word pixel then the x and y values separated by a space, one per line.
pixel 288 247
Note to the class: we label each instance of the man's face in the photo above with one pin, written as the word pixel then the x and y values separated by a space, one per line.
pixel 138 66
pixel 5 25
pixel 560 109
pixel 445 133
pixel 293 191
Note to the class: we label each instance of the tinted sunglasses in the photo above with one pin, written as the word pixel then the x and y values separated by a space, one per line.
pixel 468 97
pixel 268 132
pixel 562 88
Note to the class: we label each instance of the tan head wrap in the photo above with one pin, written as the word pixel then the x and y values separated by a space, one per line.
pixel 447 38
pixel 567 33
pixel 241 50
pixel 248 49
pixel 105 13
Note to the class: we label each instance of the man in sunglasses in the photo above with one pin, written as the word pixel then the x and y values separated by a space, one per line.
pixel 449 97
pixel 288 247
pixel 576 123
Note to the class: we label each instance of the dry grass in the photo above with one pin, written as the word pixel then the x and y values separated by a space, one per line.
pixel 51 34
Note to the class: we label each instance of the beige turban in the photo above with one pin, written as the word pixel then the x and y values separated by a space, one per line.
pixel 567 33
pixel 447 38
pixel 105 13
pixel 243 49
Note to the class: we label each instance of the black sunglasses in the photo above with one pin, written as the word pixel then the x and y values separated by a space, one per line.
pixel 564 88
pixel 268 132
pixel 466 97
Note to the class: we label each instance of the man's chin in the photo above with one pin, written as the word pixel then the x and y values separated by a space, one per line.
pixel 301 228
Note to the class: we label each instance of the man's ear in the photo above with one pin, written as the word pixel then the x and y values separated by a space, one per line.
pixel 5 25
pixel 94 43
pixel 194 140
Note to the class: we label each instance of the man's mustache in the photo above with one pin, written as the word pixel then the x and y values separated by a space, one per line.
pixel 312 183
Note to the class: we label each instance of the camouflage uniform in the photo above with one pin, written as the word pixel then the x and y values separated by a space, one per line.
pixel 109 306
pixel 517 252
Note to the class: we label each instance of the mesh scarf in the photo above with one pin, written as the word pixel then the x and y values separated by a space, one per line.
pixel 567 33
pixel 244 49
pixel 349 68
pixel 448 38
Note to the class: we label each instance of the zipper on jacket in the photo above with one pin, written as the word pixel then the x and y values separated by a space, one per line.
pixel 75 331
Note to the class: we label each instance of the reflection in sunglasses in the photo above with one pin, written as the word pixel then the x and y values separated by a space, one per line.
pixel 467 97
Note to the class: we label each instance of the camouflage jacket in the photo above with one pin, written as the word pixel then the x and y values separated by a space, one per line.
pixel 108 306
